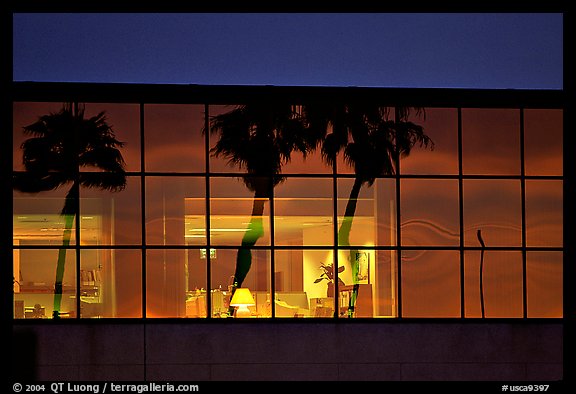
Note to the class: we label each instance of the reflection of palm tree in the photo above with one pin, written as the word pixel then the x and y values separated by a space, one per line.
pixel 60 145
pixel 479 236
pixel 372 143
pixel 259 139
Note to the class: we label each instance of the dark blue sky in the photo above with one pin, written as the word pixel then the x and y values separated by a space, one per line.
pixel 492 50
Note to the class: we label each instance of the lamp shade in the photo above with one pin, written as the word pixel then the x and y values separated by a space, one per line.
pixel 242 297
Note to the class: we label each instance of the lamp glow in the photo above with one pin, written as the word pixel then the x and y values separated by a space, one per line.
pixel 242 299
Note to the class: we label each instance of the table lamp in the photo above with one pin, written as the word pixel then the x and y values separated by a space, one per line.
pixel 242 299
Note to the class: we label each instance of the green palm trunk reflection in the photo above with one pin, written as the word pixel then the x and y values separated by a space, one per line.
pixel 61 265
pixel 254 232
pixel 69 212
pixel 344 240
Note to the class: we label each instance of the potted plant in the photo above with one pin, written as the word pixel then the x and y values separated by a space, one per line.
pixel 328 275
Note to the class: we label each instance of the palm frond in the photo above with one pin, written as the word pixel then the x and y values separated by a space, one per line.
pixel 111 181
pixel 62 142
pixel 104 158
pixel 36 182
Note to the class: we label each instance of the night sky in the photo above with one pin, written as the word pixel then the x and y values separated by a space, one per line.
pixel 474 50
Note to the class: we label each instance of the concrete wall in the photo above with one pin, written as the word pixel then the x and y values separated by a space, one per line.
pixel 224 351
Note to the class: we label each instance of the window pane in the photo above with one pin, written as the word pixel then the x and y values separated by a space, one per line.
pixel 25 114
pixel 313 163
pixel 543 141
pixel 544 216
pixel 166 292
pixel 441 125
pixel 38 218
pixel 236 213
pixel 429 212
pixel 128 283
pixel 356 213
pixel 124 119
pixel 490 141
pixel 257 280
pixel 382 283
pixel 111 218
pixel 220 163
pixel 366 216
pixel 501 284
pixel 430 283
pixel 35 274
pixel 544 284
pixel 356 296
pixel 196 267
pixel 110 283
pixel 93 285
pixel 494 208
pixel 303 212
pixel 175 210
pixel 386 283
pixel 303 288
pixel 173 137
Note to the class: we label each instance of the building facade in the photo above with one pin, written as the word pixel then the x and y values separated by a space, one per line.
pixel 417 233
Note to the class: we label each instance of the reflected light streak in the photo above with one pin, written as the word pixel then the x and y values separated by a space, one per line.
pixel 436 227
pixel 224 230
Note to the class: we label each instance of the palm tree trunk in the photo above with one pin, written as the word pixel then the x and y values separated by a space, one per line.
pixel 69 214
pixel 344 240
pixel 254 232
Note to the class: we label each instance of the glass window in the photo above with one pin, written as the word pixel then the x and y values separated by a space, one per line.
pixel 166 284
pixel 173 138
pixel 127 282
pixel 175 210
pixel 111 218
pixel 383 276
pixel 303 212
pixel 110 283
pixel 36 275
pixel 124 119
pixel 220 162
pixel 490 141
pixel 544 215
pixel 252 268
pixel 196 277
pixel 430 283
pixel 312 163
pixel 441 125
pixel 25 114
pixel 501 290
pixel 366 213
pixel 363 282
pixel 543 141
pixel 293 251
pixel 494 208
pixel 544 284
pixel 356 213
pixel 429 212
pixel 38 218
pixel 238 214
pixel 304 283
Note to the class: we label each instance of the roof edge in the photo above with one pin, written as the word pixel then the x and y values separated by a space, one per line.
pixel 240 94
